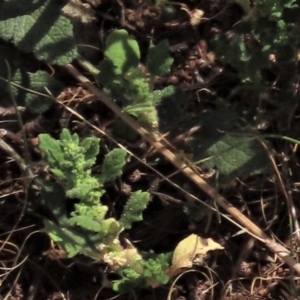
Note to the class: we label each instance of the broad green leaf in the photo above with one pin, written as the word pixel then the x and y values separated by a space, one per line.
pixel 122 50
pixel 28 89
pixel 134 208
pixel 223 142
pixel 36 26
pixel 37 82
pixel 159 60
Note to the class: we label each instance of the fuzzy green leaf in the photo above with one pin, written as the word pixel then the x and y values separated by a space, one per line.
pixel 86 222
pixel 137 89
pixel 88 214
pixel 224 143
pixel 72 240
pixel 122 50
pixel 51 148
pixel 159 60
pixel 37 82
pixel 131 280
pixel 154 269
pixel 91 147
pixel 112 166
pixel 66 137
pixel 134 208
pixel 80 191
pixel 37 27
pixel 25 86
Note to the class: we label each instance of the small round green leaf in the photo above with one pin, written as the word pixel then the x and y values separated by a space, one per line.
pixel 122 50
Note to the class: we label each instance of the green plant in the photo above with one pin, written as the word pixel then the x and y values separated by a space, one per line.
pixel 269 28
pixel 154 273
pixel 35 28
pixel 263 47
pixel 128 84
pixel 86 229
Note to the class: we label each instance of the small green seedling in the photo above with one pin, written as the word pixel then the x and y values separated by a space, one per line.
pixel 86 229
pixel 127 83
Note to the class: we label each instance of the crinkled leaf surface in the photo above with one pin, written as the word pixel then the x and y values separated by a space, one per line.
pixel 51 148
pixel 24 85
pixel 36 26
pixel 122 50
pixel 112 166
pixel 222 142
pixel 159 60
pixel 74 241
pixel 91 147
pixel 134 208
pixel 36 82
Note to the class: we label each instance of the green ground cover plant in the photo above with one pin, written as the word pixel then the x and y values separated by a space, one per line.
pixel 267 37
pixel 130 85
pixel 262 48
pixel 86 229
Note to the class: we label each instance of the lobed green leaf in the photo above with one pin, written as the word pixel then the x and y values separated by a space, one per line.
pixel 112 166
pixel 134 208
pixel 51 148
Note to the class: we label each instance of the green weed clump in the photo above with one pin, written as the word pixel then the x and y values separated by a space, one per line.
pixel 86 229
pixel 127 83
pixel 267 35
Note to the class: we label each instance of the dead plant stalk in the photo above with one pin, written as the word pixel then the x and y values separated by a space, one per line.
pixel 276 248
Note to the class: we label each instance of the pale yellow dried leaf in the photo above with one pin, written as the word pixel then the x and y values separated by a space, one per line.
pixel 188 250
